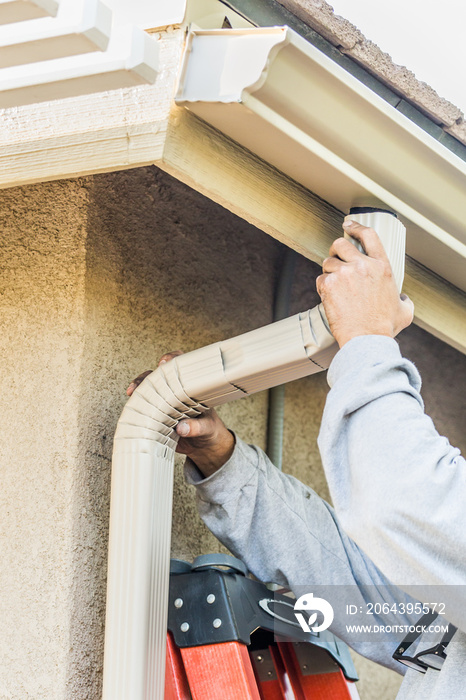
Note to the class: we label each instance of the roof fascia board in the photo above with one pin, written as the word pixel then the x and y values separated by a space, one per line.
pixel 304 110
pixel 217 167
pixel 440 308
pixel 338 182
pixel 267 13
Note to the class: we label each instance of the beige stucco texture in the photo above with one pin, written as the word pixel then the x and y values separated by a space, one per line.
pixel 100 277
pixel 41 341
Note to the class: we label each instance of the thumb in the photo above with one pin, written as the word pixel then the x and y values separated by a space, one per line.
pixel 194 427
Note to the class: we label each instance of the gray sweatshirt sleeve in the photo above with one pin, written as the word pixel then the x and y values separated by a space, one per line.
pixel 398 487
pixel 285 533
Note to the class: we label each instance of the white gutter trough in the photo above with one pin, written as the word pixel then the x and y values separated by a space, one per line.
pixel 142 469
pixel 284 100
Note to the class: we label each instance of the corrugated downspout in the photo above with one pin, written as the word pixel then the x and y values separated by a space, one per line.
pixel 142 475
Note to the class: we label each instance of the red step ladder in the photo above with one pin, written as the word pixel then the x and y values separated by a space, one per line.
pixel 228 671
pixel 274 668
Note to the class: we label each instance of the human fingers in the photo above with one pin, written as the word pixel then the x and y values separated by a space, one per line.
pixel 136 382
pixel 201 427
pixel 332 264
pixel 321 281
pixel 206 440
pixel 368 238
pixel 169 356
pixel 345 250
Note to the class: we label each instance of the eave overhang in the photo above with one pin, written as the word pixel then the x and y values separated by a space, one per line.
pixel 284 100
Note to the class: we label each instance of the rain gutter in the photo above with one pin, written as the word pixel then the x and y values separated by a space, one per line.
pixel 269 13
pixel 283 99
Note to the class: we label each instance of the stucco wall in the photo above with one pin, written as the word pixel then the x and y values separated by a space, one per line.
pixel 43 232
pixel 102 276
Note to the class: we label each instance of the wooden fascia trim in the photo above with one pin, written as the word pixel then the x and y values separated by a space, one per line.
pixel 220 169
pixel 94 133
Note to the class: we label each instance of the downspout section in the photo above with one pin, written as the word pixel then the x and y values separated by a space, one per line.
pixel 142 481
pixel 142 474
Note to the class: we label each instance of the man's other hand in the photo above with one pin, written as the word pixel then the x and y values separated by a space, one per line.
pixel 358 291
pixel 206 440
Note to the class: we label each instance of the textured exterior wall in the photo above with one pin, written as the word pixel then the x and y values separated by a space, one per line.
pixel 42 296
pixel 102 276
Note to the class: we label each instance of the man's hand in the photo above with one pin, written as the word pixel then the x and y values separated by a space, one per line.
pixel 205 439
pixel 359 291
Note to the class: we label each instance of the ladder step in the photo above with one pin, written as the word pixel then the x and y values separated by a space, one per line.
pixel 220 671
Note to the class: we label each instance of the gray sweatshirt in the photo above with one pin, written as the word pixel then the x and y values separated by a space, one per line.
pixel 397 532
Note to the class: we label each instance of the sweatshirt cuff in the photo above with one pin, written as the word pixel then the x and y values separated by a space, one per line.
pixel 362 352
pixel 235 473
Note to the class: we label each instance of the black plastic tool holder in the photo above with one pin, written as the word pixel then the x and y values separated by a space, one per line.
pixel 213 601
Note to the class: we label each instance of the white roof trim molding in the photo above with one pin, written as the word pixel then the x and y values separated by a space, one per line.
pixel 86 27
pixel 131 59
pixel 23 10
pixel 78 52
pixel 281 98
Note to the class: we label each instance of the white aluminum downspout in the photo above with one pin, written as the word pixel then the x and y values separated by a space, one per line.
pixel 142 470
